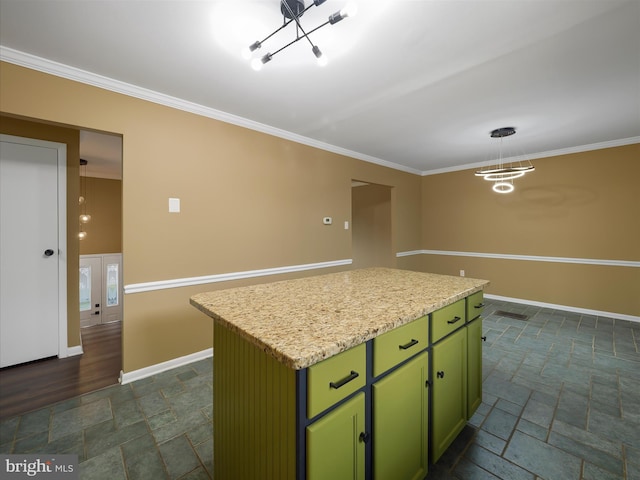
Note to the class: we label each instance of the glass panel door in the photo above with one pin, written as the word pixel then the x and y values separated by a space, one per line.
pixel 90 290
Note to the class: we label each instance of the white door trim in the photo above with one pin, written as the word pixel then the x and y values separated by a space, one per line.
pixel 63 347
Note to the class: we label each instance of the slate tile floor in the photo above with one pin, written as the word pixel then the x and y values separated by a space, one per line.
pixel 561 402
pixel 155 428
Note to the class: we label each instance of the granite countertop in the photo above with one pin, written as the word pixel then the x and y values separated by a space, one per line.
pixel 301 322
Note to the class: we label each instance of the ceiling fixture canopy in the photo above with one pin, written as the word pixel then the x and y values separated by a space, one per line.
pixel 503 173
pixel 292 11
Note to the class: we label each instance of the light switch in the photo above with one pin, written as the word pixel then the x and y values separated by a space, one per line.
pixel 174 205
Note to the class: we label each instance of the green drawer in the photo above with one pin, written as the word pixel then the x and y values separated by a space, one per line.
pixel 335 378
pixel 391 348
pixel 475 305
pixel 447 319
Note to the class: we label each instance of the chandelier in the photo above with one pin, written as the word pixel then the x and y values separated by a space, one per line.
pixel 82 200
pixel 503 173
pixel 292 11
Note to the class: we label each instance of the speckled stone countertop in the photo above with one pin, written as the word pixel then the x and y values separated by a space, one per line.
pixel 301 322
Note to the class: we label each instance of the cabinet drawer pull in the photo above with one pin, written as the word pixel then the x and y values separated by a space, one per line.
pixel 453 320
pixel 408 345
pixel 364 437
pixel 480 305
pixel 484 339
pixel 352 376
pixel 440 374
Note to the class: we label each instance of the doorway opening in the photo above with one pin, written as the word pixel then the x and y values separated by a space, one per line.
pixel 60 376
pixel 100 249
pixel 371 225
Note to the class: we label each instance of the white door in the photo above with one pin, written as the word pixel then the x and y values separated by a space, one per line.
pixel 100 289
pixel 30 253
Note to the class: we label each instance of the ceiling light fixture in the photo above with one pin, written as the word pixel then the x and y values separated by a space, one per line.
pixel 82 200
pixel 292 11
pixel 503 174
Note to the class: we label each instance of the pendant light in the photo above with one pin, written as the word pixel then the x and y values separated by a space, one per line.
pixel 504 173
pixel 82 201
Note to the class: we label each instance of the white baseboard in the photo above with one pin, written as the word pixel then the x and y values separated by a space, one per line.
pixel 72 351
pixel 164 366
pixel 584 311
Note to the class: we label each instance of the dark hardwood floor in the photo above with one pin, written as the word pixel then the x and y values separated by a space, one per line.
pixel 32 385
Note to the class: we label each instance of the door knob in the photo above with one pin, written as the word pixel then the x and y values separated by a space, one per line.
pixel 48 252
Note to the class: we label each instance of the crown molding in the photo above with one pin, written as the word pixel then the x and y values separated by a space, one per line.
pixel 533 156
pixel 44 65
pixel 51 67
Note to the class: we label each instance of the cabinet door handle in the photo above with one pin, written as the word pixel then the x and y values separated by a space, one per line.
pixel 453 320
pixel 364 437
pixel 408 345
pixel 340 383
pixel 484 339
pixel 480 305
pixel 440 374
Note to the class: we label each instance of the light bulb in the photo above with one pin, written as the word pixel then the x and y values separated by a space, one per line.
pixel 256 64
pixel 246 53
pixel 349 10
pixel 80 200
pixel 322 59
pixel 82 235
pixel 85 218
pixel 503 187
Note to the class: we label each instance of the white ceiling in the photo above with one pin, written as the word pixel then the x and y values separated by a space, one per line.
pixel 414 83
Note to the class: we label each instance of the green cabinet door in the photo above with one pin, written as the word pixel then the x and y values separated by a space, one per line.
pixel 449 394
pixel 334 448
pixel 474 366
pixel 400 422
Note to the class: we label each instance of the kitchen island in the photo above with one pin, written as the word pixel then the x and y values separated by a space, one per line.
pixel 317 376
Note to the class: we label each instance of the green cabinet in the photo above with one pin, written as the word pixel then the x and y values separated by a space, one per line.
pixel 400 422
pixel 449 394
pixel 475 305
pixel 335 449
pixel 335 378
pixel 394 347
pixel 474 366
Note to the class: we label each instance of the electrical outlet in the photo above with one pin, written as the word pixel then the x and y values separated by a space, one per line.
pixel 462 273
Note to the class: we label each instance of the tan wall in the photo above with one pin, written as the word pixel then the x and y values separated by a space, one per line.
pixel 583 205
pixel 70 137
pixel 249 201
pixel 371 226
pixel 104 204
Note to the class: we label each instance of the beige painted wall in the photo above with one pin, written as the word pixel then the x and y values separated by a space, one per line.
pixel 583 205
pixel 70 137
pixel 104 204
pixel 252 201
pixel 372 226
pixel 249 201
